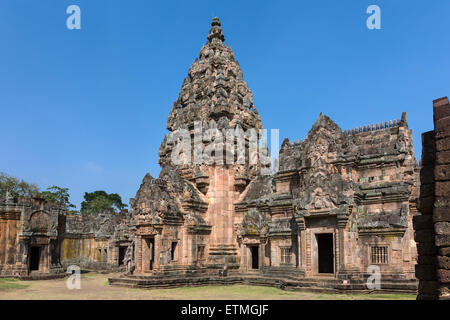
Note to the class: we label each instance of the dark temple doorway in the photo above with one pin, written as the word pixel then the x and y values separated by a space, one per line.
pixel 325 254
pixel 151 252
pixel 255 256
pixel 35 255
pixel 122 251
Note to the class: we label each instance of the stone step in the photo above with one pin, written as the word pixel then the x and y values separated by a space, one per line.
pixel 322 285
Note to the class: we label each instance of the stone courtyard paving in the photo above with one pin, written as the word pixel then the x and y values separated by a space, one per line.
pixel 94 286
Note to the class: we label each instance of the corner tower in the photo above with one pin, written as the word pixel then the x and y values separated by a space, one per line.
pixel 214 99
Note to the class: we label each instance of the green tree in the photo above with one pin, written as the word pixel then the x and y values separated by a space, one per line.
pixel 99 201
pixel 59 195
pixel 17 187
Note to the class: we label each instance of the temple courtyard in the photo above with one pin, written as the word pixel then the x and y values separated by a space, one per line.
pixel 94 286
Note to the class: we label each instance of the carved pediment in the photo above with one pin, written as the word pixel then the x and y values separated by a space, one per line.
pixel 254 223
pixel 41 222
pixel 322 190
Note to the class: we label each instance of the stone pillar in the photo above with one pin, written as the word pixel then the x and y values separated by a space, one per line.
pixel 301 250
pixel 263 251
pixel 441 211
pixel 157 250
pixel 432 227
pixel 342 218
pixel 138 254
pixel 24 245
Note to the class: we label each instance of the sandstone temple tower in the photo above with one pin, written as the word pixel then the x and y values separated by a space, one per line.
pixel 197 226
pixel 340 206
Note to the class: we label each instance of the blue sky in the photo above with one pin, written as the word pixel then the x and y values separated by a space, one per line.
pixel 87 109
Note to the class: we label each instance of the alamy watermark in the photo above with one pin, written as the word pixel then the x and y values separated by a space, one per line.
pixel 224 146
pixel 74 280
pixel 374 279
pixel 74 20
pixel 374 20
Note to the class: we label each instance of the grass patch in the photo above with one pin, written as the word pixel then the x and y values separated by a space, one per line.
pixel 363 296
pixel 240 292
pixel 260 292
pixel 11 283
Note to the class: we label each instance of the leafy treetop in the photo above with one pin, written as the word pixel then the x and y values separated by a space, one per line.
pixel 16 187
pixel 99 201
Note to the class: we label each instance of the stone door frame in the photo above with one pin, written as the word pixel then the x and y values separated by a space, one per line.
pixel 315 252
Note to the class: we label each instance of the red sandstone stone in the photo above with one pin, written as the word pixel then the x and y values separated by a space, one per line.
pixel 443 132
pixel 441 214
pixel 440 102
pixel 441 125
pixel 442 240
pixel 443 144
pixel 442 172
pixel 442 228
pixel 443 157
pixel 443 262
pixel 443 275
pixel 441 110
pixel 442 189
pixel 444 251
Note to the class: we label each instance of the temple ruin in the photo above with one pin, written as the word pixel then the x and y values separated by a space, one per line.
pixel 97 242
pixel 38 240
pixel 31 234
pixel 339 207
pixel 335 212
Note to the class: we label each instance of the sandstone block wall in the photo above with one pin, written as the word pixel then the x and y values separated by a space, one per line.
pixel 432 227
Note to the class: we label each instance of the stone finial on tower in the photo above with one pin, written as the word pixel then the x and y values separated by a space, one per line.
pixel 215 35
pixel 404 121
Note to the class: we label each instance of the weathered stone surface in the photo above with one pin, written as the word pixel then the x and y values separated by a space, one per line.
pixel 434 242
pixel 31 232
pixel 357 188
pixel 441 214
pixel 444 251
pixel 443 262
pixel 442 240
pixel 443 157
pixel 442 188
pixel 443 275
pixel 442 172
pixel 443 144
pixel 97 241
pixel 442 228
